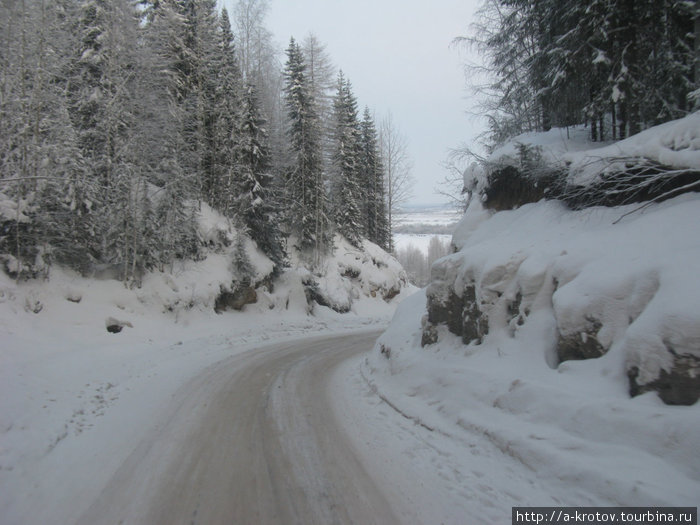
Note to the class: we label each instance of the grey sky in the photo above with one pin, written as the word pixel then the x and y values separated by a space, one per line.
pixel 397 55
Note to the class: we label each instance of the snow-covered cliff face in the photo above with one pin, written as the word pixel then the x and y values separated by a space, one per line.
pixel 232 275
pixel 628 289
pixel 549 343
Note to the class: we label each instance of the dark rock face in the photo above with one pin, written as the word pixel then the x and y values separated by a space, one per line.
pixel 680 386
pixel 389 294
pixel 475 323
pixel 581 345
pixel 447 311
pixel 236 299
pixel 430 334
pixel 511 188
pixel 454 301
pixel 461 315
pixel 114 328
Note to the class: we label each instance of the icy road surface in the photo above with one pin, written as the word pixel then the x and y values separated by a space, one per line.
pixel 253 439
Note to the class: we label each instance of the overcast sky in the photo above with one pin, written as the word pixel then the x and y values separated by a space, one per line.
pixel 397 55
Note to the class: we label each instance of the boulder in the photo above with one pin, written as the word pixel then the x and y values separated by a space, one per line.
pixel 581 345
pixel 236 299
pixel 679 386
pixel 114 326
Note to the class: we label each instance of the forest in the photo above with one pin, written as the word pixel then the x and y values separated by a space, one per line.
pixel 119 119
pixel 590 73
pixel 618 66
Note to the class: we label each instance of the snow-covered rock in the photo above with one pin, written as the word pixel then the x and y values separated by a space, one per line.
pixel 628 288
pixel 674 144
pixel 559 330
pixel 350 277
pixel 551 334
pixel 656 164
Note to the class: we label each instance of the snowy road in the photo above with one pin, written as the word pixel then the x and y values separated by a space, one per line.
pixel 253 439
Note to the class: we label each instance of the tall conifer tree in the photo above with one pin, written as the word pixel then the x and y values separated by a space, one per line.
pixel 103 91
pixel 162 134
pixel 306 194
pixel 228 119
pixel 256 202
pixel 348 194
pixel 377 222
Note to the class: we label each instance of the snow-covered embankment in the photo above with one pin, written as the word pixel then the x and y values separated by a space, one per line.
pixel 556 336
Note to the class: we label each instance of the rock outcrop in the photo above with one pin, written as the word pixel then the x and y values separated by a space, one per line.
pixel 597 294
pixel 236 299
pixel 679 386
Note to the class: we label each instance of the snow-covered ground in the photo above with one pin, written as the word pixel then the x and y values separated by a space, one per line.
pixel 420 241
pixel 74 397
pixel 503 422
pixel 523 431
pixel 429 216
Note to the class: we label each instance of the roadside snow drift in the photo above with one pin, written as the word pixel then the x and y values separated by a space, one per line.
pixel 535 333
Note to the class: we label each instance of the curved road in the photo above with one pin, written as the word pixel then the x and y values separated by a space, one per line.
pixel 253 440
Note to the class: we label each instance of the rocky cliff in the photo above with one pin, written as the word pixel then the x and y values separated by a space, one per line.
pixel 629 288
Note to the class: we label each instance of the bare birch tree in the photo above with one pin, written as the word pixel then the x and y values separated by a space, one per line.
pixel 398 166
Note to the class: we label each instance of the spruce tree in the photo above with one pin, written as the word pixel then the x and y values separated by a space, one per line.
pixel 116 121
pixel 41 162
pixel 102 90
pixel 306 194
pixel 557 63
pixel 375 209
pixel 228 120
pixel 162 135
pixel 348 195
pixel 195 68
pixel 256 204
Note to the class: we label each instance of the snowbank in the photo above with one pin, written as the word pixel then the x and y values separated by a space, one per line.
pixel 533 335
pixel 656 164
pixel 554 146
pixel 675 144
